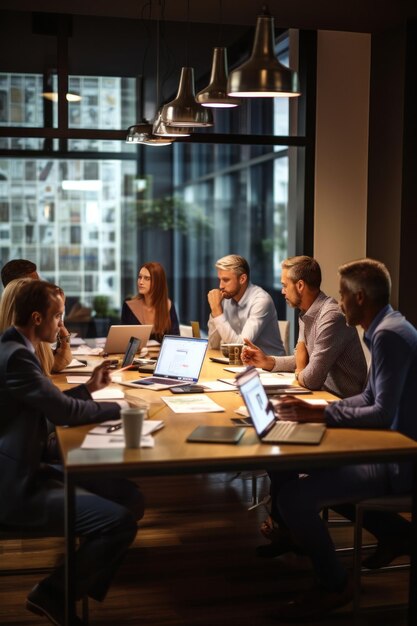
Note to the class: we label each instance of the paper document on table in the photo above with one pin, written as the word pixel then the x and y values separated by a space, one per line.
pixel 193 403
pixel 76 341
pixel 76 363
pixel 268 380
pixel 277 378
pixel 242 410
pixel 98 437
pixel 114 440
pixel 240 368
pixel 77 380
pixel 86 350
pixel 217 385
pixel 108 393
pixel 148 427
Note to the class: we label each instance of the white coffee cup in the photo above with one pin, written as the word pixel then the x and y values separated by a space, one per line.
pixel 132 420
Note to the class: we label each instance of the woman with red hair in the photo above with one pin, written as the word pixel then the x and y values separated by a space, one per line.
pixel 152 305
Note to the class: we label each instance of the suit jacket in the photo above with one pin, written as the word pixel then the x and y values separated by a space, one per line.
pixel 28 399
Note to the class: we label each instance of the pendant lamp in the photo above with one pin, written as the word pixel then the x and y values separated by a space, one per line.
pixel 142 133
pixel 165 130
pixel 215 94
pixel 263 76
pixel 184 110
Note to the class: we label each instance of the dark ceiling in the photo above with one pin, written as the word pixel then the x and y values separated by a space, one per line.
pixel 352 15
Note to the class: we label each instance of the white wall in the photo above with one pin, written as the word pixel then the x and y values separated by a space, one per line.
pixel 343 73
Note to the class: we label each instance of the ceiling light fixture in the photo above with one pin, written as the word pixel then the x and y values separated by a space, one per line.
pixel 263 76
pixel 53 96
pixel 215 94
pixel 143 133
pixel 165 130
pixel 184 110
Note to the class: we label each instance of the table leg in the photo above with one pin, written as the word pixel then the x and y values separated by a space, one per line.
pixel 70 601
pixel 412 601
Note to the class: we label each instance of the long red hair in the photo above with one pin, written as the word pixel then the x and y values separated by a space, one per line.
pixel 159 297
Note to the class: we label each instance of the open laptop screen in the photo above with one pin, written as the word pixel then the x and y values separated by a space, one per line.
pixel 256 400
pixel 181 358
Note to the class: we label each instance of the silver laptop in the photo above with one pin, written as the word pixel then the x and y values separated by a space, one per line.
pixel 267 426
pixel 180 361
pixel 119 336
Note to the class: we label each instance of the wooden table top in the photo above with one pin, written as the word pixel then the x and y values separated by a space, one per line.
pixel 172 454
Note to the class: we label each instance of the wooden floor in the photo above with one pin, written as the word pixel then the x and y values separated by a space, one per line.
pixel 194 564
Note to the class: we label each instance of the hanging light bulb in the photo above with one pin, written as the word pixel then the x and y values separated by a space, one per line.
pixel 184 110
pixel 215 94
pixel 263 76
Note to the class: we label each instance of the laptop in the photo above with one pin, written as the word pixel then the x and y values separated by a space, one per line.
pixel 180 361
pixel 82 367
pixel 119 336
pixel 133 347
pixel 268 428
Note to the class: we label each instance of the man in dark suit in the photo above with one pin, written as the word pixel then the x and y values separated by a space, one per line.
pixel 31 489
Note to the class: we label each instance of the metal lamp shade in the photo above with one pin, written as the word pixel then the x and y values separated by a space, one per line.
pixel 164 130
pixel 142 133
pixel 263 76
pixel 184 110
pixel 215 94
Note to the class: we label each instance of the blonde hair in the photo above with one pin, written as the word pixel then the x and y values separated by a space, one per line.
pixel 7 318
pixel 234 263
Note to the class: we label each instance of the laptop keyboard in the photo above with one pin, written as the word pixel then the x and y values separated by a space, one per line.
pixel 161 381
pixel 281 430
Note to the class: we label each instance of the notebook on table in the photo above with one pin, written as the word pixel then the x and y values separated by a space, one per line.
pixel 119 335
pixel 180 361
pixel 268 428
pixel 216 434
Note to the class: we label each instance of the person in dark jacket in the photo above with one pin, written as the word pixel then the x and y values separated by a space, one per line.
pixel 31 488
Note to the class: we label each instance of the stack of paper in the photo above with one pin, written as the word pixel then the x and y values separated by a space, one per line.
pixel 99 438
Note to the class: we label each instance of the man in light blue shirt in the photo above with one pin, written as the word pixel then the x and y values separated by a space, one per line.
pixel 388 402
pixel 241 310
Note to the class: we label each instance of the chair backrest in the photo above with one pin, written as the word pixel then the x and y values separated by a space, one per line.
pixel 186 330
pixel 196 329
pixel 191 330
pixel 284 331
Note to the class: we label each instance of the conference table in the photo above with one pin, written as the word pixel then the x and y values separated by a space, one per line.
pixel 172 454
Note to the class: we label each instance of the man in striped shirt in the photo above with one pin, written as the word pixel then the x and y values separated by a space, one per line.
pixel 328 356
pixel 328 353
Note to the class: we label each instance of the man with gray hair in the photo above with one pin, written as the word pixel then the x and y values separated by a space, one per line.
pixel 240 309
pixel 388 402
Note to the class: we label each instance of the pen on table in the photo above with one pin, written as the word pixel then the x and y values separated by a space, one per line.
pixel 111 429
pixel 122 369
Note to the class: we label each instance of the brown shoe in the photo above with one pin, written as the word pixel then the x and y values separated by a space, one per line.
pixel 314 603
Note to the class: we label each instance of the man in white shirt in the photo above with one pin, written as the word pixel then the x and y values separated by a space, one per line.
pixel 241 310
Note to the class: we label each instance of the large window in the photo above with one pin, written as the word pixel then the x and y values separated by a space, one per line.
pixel 90 209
